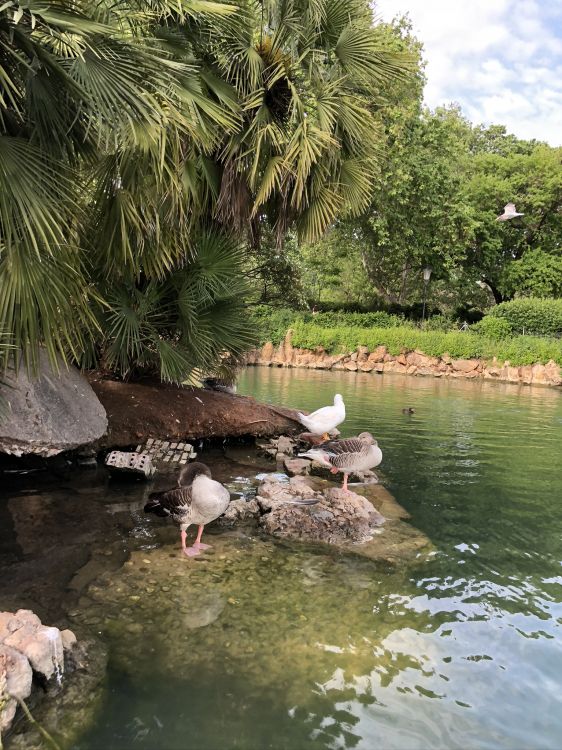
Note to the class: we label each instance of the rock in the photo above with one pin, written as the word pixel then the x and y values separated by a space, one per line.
pixel 272 492
pixel 51 413
pixel 364 477
pixel 68 639
pixel 337 516
pixel 209 606
pixel 464 365
pixel 285 445
pixel 491 373
pixel 378 355
pixel 539 374
pixel 42 646
pixel 553 372
pixel 296 466
pixel 267 352
pixel 18 672
pixel 27 646
pixel 351 366
pixel 239 511
pixel 526 374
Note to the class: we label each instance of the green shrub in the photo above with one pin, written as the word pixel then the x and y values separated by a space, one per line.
pixel 494 328
pixel 272 322
pixel 378 319
pixel 540 317
pixel 438 323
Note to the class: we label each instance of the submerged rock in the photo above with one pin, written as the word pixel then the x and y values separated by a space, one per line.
pixel 54 412
pixel 368 522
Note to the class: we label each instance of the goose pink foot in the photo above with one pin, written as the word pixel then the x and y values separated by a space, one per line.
pixel 200 545
pixel 189 551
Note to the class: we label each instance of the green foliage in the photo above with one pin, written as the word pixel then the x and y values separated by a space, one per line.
pixel 493 328
pixel 512 257
pixel 379 319
pixel 438 323
pixel 180 326
pixel 273 323
pixel 128 129
pixel 520 350
pixel 536 274
pixel 542 317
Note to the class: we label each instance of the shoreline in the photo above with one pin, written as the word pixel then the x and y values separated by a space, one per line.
pixel 408 362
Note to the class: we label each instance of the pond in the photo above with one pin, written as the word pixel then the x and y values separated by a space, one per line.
pixel 266 644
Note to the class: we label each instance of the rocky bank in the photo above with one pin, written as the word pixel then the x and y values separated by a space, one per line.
pixel 407 362
pixel 28 651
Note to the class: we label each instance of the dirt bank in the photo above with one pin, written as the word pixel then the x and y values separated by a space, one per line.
pixel 137 411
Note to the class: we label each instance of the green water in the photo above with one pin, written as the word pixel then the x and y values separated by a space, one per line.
pixel 267 644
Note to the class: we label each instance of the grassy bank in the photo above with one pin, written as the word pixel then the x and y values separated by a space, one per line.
pixel 340 333
pixel 519 350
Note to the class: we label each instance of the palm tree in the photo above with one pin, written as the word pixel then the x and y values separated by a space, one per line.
pixel 141 142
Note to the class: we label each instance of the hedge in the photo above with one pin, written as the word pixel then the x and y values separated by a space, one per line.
pixel 541 317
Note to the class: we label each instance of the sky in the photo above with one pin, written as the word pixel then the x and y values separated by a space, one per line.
pixel 500 60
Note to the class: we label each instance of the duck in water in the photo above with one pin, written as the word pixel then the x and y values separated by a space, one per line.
pixel 198 499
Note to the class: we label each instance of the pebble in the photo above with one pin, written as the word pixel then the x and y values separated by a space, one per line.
pixel 165 588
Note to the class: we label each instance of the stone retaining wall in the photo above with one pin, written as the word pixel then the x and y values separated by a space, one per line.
pixel 406 363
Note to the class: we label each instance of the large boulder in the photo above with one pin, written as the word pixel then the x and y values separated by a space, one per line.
pixel 54 412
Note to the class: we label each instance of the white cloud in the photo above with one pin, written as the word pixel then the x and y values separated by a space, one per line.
pixel 500 59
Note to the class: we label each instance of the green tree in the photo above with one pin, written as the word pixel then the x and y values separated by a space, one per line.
pixel 139 143
pixel 417 216
pixel 520 256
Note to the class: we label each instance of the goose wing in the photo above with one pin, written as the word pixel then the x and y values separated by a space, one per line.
pixel 170 503
pixel 342 453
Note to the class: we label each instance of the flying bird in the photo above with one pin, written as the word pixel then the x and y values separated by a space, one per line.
pixel 509 212
pixel 323 420
pixel 198 499
pixel 351 454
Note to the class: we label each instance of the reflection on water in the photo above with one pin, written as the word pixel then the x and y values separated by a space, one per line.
pixel 263 644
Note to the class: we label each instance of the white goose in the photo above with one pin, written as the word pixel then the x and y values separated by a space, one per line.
pixel 323 420
pixel 351 454
pixel 198 499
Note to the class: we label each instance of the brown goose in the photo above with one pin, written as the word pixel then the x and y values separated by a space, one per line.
pixel 351 454
pixel 198 499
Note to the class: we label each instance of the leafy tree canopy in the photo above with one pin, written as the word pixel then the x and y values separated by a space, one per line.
pixel 141 146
